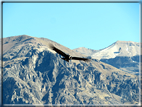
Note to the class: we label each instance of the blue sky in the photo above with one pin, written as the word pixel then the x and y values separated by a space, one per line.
pixel 90 25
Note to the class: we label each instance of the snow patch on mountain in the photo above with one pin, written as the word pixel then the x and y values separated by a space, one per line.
pixel 119 48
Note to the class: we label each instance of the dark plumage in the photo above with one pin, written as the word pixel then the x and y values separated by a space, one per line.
pixel 67 57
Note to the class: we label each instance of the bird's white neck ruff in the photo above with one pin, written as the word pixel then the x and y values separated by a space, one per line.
pixel 70 57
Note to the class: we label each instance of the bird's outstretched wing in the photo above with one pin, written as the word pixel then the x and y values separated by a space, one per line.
pixel 58 51
pixel 78 58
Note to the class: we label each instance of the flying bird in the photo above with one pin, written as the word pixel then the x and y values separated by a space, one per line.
pixel 67 57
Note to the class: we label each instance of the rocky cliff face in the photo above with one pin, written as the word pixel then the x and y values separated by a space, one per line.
pixel 34 74
pixel 127 64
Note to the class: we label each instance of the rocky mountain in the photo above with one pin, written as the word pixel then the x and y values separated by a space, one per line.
pixel 127 64
pixel 123 55
pixel 85 51
pixel 119 48
pixel 35 74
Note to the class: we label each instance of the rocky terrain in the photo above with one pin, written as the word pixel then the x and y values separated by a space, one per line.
pixel 119 48
pixel 35 74
pixel 127 64
pixel 124 55
pixel 85 51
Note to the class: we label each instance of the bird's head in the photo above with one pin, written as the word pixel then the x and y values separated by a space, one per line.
pixel 70 57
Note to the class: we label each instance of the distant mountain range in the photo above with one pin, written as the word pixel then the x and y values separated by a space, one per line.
pixel 85 51
pixel 119 48
pixel 35 74
pixel 123 55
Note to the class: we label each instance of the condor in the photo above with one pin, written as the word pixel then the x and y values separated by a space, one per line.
pixel 67 57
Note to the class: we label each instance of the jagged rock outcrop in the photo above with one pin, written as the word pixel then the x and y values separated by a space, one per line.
pixel 34 74
pixel 127 64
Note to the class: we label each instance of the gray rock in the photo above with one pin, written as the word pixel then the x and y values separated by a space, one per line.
pixel 34 74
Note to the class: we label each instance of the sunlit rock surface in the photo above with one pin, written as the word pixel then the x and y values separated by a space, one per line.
pixel 34 74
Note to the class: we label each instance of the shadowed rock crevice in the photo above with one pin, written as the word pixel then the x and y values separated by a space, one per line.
pixel 97 77
pixel 45 62
pixel 58 85
pixel 8 88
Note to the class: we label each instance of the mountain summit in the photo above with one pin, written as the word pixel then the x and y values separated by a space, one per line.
pixel 119 48
pixel 123 55
pixel 85 51
pixel 35 74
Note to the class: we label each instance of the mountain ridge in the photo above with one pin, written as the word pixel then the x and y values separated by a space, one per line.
pixel 123 55
pixel 118 48
pixel 34 74
pixel 85 51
